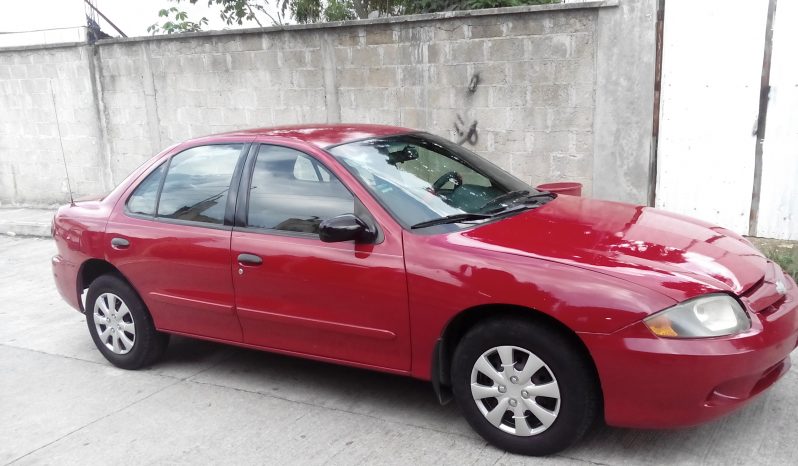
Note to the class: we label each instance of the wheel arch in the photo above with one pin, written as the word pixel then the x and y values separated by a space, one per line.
pixel 467 319
pixel 91 270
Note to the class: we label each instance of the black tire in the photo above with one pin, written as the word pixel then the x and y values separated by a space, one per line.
pixel 579 403
pixel 148 345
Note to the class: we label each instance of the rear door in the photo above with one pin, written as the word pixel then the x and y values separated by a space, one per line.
pixel 170 236
pixel 343 301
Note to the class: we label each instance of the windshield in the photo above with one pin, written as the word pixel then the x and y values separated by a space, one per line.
pixel 420 177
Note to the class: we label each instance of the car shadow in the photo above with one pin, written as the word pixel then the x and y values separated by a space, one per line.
pixel 326 385
pixel 412 402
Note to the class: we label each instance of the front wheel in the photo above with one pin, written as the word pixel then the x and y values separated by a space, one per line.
pixel 121 325
pixel 525 387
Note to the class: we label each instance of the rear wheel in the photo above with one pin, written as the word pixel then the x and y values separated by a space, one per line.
pixel 523 386
pixel 121 326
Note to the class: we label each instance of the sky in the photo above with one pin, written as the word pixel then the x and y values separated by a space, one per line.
pixel 131 16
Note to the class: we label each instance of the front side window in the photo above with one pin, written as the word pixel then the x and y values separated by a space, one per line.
pixel 422 178
pixel 197 183
pixel 291 191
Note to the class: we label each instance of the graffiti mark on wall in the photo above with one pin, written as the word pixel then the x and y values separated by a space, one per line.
pixel 467 132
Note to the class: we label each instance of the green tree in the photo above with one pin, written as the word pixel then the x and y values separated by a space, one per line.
pixel 311 11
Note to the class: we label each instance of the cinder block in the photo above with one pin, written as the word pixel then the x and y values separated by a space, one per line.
pixel 583 142
pixel 349 37
pixel 571 118
pixel 582 45
pixel 313 58
pixel 509 141
pixel 217 62
pixel 251 42
pixel 241 61
pixel 351 77
pixel 293 58
pixel 468 51
pixel 549 46
pixel 531 118
pixel 412 118
pixel 449 30
pixel 380 35
pixel 308 78
pixel 440 97
pixel 583 95
pixel 508 96
pixel 497 119
pixel 550 95
pixel 534 72
pixel 527 25
pixel 453 75
pixel 265 60
pixel 343 56
pixel 505 50
pixel 411 54
pixel 581 70
pixel 552 142
pixel 573 21
pixel 489 74
pixel 439 52
pixel 381 77
pixel 414 34
pixel 484 28
pixel 365 56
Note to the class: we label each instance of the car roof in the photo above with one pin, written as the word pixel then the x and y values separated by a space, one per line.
pixel 324 135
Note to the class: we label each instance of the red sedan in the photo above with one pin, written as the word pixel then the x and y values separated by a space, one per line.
pixel 398 251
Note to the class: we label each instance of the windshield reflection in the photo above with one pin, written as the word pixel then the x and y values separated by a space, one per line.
pixel 420 177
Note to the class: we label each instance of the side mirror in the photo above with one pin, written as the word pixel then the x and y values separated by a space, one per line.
pixel 346 227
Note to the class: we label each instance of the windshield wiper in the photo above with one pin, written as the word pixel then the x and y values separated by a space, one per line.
pixel 512 199
pixel 509 196
pixel 456 218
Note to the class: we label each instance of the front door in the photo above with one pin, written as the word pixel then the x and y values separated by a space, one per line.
pixel 342 301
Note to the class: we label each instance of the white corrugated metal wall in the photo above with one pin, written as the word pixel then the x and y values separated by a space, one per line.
pixel 711 80
pixel 778 206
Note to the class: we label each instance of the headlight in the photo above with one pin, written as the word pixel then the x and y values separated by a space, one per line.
pixel 712 315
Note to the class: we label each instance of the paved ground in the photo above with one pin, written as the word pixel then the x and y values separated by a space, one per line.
pixel 61 403
pixel 24 221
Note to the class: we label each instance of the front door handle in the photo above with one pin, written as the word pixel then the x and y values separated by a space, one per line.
pixel 119 243
pixel 249 259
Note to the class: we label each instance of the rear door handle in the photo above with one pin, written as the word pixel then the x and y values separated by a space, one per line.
pixel 249 259
pixel 119 243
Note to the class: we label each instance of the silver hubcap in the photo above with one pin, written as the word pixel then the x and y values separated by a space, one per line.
pixel 515 390
pixel 114 323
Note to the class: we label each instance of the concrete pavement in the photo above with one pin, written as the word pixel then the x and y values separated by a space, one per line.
pixel 62 403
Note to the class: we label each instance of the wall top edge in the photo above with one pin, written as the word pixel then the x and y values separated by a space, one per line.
pixel 341 24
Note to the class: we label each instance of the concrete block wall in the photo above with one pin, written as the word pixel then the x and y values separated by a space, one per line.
pixel 35 87
pixel 526 77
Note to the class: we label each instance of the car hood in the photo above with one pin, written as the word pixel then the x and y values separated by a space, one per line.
pixel 669 253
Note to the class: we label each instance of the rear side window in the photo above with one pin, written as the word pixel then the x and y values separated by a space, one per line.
pixel 197 183
pixel 144 198
pixel 291 191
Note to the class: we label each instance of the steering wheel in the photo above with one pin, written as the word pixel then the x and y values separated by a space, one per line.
pixel 453 176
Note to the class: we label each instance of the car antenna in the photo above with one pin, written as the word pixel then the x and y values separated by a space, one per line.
pixel 61 143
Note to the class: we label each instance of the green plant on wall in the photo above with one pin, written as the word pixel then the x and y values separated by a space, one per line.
pixel 430 6
pixel 174 20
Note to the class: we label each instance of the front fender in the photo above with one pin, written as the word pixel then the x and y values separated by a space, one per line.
pixel 445 279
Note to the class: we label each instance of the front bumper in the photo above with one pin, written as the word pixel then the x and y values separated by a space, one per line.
pixel 652 382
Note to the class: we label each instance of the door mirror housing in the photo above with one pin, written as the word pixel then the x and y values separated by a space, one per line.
pixel 346 227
